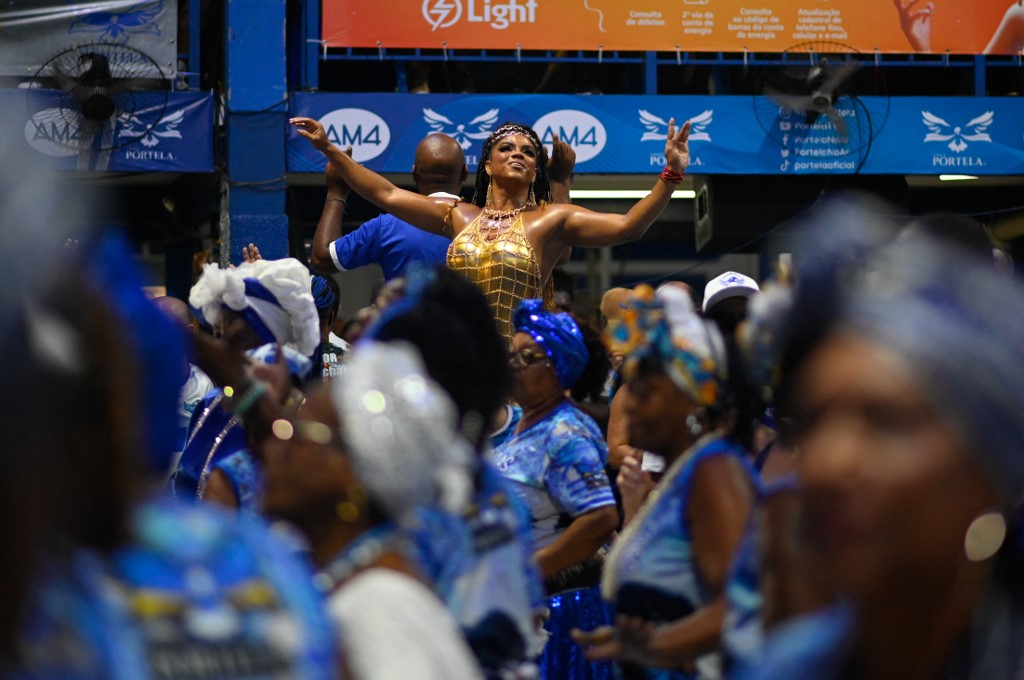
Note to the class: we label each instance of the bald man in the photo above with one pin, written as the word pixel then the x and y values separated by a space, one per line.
pixel 439 170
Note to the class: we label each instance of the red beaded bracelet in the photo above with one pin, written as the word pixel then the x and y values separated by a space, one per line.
pixel 670 176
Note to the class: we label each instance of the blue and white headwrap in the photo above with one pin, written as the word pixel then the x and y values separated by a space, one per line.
pixel 298 365
pixel 558 335
pixel 273 296
pixel 957 324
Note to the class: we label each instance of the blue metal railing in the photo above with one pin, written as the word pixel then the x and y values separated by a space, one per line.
pixel 316 52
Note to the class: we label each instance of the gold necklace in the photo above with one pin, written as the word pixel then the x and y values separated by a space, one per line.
pixel 495 222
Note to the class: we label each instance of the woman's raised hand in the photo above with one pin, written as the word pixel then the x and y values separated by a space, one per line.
pixel 677 146
pixel 916 22
pixel 314 131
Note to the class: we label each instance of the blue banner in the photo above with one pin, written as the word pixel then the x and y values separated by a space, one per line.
pixel 148 131
pixel 625 134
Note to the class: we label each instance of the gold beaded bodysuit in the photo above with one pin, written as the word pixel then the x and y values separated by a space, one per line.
pixel 502 263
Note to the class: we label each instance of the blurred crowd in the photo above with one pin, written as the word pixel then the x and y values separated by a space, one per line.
pixel 814 475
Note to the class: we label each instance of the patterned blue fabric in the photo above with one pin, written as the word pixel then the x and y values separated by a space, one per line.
pixel 558 469
pixel 196 593
pixel 482 568
pixel 246 479
pixel 503 435
pixel 214 434
pixel 298 365
pixel 563 659
pixel 743 629
pixel 809 647
pixel 391 243
pixel 652 572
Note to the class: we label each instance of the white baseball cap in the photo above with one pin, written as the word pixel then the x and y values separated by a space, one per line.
pixel 729 284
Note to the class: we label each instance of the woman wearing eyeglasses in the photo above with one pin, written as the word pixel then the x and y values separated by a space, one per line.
pixel 350 473
pixel 555 459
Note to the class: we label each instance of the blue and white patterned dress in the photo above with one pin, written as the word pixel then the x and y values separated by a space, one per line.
pixel 482 567
pixel 196 593
pixel 557 469
pixel 652 572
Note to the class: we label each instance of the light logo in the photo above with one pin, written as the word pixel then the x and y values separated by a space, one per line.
pixel 366 132
pixel 959 136
pixel 442 13
pixel 495 13
pixel 582 131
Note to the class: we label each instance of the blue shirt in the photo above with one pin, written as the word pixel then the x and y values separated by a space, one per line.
pixel 391 243
pixel 557 466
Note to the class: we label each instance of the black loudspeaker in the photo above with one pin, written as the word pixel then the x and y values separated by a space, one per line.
pixel 734 212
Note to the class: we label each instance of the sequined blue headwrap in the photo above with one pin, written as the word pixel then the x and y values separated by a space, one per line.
pixel 559 337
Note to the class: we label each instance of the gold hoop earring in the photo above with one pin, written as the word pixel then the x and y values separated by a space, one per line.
pixel 531 199
pixel 353 505
pixel 487 201
pixel 985 536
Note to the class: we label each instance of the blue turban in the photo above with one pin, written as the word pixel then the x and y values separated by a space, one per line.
pixel 323 296
pixel 559 337
pixel 955 322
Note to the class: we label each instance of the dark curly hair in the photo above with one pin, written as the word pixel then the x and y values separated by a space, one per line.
pixel 451 324
pixel 541 185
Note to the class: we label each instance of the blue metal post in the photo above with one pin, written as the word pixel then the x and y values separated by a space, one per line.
pixel 313 50
pixel 256 118
pixel 650 73
pixel 194 42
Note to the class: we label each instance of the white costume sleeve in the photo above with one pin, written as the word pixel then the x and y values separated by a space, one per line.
pixel 392 627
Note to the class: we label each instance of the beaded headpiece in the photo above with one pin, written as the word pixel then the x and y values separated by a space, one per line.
pixel 508 129
pixel 542 188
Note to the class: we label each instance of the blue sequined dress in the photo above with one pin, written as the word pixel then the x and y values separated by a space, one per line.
pixel 213 434
pixel 557 469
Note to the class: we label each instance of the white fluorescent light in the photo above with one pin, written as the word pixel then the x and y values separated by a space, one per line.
pixel 585 194
pixel 955 178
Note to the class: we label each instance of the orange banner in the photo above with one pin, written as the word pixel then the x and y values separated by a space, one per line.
pixel 939 26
